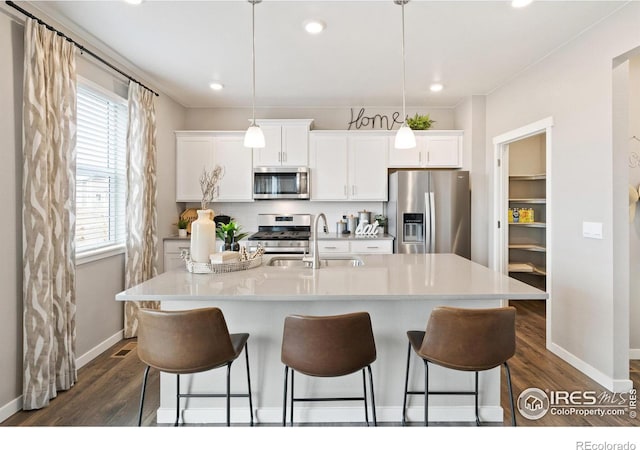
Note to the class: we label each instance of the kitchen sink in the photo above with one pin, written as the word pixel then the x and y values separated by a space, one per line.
pixel 335 261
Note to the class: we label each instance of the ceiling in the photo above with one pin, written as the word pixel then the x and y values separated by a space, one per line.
pixel 471 47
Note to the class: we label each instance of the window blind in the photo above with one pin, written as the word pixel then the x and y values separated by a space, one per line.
pixel 100 170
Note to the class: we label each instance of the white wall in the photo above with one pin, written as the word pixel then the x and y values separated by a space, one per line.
pixel 469 116
pixel 634 228
pixel 324 118
pixel 574 86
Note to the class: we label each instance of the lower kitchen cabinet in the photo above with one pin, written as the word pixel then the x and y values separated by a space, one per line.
pixel 355 247
pixel 171 252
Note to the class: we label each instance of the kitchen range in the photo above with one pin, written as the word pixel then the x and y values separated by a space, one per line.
pixel 282 233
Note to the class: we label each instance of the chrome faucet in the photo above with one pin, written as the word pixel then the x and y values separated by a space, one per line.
pixel 315 258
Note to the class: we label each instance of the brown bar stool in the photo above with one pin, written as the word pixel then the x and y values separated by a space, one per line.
pixel 463 339
pixel 184 342
pixel 328 346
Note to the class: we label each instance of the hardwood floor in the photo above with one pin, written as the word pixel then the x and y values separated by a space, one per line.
pixel 107 391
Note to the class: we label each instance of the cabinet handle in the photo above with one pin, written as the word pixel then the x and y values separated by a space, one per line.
pixel 420 158
pixel 374 246
pixel 284 156
pixel 345 190
pixel 428 157
pixel 279 156
pixel 353 189
pixel 330 247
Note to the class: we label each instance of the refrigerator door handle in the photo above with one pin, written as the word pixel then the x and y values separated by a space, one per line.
pixel 427 223
pixel 432 225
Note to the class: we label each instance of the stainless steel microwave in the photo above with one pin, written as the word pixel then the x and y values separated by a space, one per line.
pixel 280 183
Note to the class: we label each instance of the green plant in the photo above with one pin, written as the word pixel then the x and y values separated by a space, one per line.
pixel 419 122
pixel 228 231
pixel 182 224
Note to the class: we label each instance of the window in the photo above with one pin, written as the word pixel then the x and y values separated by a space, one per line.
pixel 100 172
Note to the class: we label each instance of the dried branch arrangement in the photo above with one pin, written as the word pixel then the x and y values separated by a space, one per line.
pixel 209 184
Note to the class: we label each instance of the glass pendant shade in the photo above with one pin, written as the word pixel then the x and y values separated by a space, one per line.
pixel 254 137
pixel 405 138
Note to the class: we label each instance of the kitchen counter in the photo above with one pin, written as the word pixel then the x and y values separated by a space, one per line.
pixel 398 291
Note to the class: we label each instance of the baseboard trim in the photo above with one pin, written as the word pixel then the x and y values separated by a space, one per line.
pixel 332 414
pixel 611 384
pixel 99 349
pixel 15 405
pixel 634 353
pixel 10 409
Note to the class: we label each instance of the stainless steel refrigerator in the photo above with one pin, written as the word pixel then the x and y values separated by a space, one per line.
pixel 429 211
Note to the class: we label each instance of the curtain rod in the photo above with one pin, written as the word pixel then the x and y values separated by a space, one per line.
pixel 81 47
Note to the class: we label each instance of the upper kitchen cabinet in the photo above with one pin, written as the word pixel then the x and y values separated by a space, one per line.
pixel 434 149
pixel 197 150
pixel 286 143
pixel 348 166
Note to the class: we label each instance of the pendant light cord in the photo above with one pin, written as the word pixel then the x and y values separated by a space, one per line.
pixel 404 113
pixel 253 63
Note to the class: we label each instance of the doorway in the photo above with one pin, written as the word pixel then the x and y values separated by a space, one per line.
pixel 522 213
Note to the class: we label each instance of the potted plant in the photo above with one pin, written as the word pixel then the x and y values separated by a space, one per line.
pixel 420 122
pixel 231 235
pixel 182 227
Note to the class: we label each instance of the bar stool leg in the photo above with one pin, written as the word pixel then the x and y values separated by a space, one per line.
pixel 177 400
pixel 284 400
pixel 373 399
pixel 366 409
pixel 229 394
pixel 426 393
pixel 246 354
pixel 476 398
pixel 406 388
pixel 513 411
pixel 292 395
pixel 144 387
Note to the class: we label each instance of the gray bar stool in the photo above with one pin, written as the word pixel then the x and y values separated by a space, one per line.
pixel 185 342
pixel 463 339
pixel 328 346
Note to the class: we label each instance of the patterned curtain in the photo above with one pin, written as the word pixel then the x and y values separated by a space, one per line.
pixel 48 215
pixel 141 220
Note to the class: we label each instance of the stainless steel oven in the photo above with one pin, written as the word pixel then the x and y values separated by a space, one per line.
pixel 280 183
pixel 282 233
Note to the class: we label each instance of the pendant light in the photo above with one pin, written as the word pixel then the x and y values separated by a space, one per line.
pixel 254 137
pixel 404 137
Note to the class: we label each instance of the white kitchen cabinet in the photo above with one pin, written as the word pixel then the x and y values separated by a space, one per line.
pixel 172 251
pixel 196 150
pixel 355 247
pixel 286 143
pixel 348 166
pixel 433 149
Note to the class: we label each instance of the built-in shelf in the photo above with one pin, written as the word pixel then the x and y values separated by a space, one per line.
pixel 540 201
pixel 529 224
pixel 527 247
pixel 526 267
pixel 533 177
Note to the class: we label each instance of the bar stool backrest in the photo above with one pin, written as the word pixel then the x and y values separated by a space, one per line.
pixel 328 346
pixel 469 339
pixel 184 341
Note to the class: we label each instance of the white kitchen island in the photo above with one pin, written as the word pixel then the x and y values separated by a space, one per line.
pixel 398 291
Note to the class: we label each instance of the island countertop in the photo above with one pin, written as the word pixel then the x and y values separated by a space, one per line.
pixel 382 277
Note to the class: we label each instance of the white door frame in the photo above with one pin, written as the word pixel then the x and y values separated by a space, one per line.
pixel 500 201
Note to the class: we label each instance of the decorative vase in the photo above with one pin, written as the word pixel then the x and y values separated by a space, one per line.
pixel 182 232
pixel 203 237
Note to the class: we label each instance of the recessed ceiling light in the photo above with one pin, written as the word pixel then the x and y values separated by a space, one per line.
pixel 520 3
pixel 314 26
pixel 216 86
pixel 134 2
pixel 436 87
